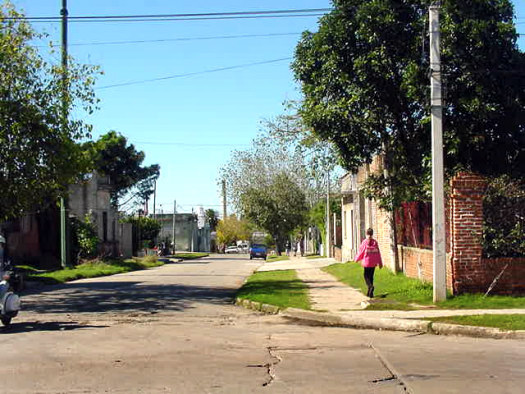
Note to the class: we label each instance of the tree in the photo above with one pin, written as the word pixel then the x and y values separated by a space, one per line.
pixel 148 228
pixel 213 220
pixel 112 156
pixel 231 230
pixel 278 208
pixel 38 156
pixel 364 76
pixel 317 215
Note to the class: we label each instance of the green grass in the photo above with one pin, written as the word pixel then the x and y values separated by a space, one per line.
pixel 190 255
pixel 95 268
pixel 274 258
pixel 315 256
pixel 281 288
pixel 503 322
pixel 396 291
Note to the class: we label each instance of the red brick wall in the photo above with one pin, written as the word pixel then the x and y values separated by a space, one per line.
pixel 416 263
pixel 511 282
pixel 466 231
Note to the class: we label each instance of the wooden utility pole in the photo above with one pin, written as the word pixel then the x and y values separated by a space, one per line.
pixel 438 201
pixel 173 226
pixel 63 211
pixel 327 246
pixel 224 200
pixel 154 199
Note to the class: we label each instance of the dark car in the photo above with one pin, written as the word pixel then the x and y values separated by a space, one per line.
pixel 258 250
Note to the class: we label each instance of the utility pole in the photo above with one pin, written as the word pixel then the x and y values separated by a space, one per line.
pixel 438 201
pixel 223 199
pixel 154 199
pixel 173 226
pixel 327 246
pixel 63 211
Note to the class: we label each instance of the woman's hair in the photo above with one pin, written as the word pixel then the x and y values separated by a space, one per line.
pixel 369 232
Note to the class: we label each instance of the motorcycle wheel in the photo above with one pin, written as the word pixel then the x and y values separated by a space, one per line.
pixel 6 320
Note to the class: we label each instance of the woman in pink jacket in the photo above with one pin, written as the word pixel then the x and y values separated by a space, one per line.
pixel 370 258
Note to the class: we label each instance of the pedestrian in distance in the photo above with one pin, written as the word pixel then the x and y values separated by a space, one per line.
pixel 288 248
pixel 370 258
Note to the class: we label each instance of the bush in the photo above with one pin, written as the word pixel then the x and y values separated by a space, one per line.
pixel 504 218
pixel 85 240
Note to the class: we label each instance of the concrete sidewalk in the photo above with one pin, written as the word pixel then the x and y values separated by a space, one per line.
pixel 336 304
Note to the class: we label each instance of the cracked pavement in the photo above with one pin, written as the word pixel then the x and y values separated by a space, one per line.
pixel 174 329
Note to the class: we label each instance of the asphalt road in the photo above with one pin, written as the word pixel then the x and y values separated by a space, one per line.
pixel 174 329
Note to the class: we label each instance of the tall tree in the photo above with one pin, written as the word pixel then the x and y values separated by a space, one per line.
pixel 231 230
pixel 38 158
pixel 278 208
pixel 112 156
pixel 364 76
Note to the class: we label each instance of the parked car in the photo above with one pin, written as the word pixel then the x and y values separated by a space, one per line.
pixel 258 250
pixel 243 248
pixel 231 249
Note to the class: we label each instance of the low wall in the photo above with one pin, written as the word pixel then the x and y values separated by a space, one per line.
pixel 337 253
pixel 416 263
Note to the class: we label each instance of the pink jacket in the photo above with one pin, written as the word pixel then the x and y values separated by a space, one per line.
pixel 369 254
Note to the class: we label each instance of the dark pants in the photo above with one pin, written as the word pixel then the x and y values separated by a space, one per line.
pixel 369 279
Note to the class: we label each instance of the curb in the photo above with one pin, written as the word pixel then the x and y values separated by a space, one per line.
pixel 476 332
pixel 390 324
pixel 358 322
pixel 258 306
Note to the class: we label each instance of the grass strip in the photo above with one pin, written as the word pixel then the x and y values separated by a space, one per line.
pixel 275 258
pixel 280 288
pixel 396 291
pixel 95 268
pixel 314 256
pixel 190 255
pixel 503 322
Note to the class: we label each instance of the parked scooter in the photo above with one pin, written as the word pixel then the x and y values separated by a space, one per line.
pixel 10 284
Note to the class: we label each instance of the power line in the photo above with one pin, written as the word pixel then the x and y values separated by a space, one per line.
pixel 180 39
pixel 187 144
pixel 190 16
pixel 194 73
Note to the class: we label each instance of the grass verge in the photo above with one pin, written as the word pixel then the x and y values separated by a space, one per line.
pixel 396 291
pixel 314 256
pixel 503 322
pixel 95 268
pixel 190 255
pixel 274 258
pixel 280 288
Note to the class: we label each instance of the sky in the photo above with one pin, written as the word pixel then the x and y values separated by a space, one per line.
pixel 190 124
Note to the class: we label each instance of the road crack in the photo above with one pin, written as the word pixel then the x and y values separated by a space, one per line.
pixel 393 375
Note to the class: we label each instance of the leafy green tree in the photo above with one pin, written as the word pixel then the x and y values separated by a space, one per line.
pixel 38 156
pixel 364 76
pixel 278 208
pixel 213 220
pixel 148 228
pixel 317 214
pixel 112 156
pixel 231 230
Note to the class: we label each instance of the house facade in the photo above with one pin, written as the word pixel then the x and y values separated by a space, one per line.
pixel 359 213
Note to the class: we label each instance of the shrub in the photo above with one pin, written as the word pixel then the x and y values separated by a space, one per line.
pixel 85 240
pixel 504 218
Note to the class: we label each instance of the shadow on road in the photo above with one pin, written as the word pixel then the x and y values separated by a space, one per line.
pixel 123 296
pixel 16 328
